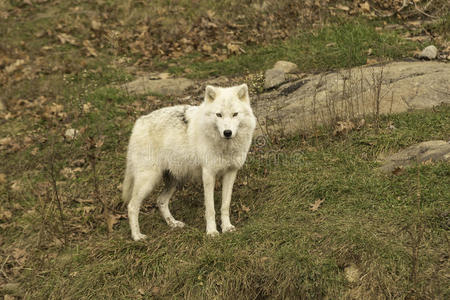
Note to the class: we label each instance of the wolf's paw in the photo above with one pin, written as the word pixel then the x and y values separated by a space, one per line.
pixel 139 237
pixel 176 224
pixel 212 233
pixel 229 228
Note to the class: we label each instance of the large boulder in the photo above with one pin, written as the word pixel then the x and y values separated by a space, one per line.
pixel 422 152
pixel 356 92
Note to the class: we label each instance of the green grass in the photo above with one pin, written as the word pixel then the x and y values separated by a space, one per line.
pixel 281 248
pixel 338 45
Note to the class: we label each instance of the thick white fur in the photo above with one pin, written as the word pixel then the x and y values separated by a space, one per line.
pixel 188 142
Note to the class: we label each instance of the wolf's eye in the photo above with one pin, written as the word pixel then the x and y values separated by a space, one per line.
pixel 219 115
pixel 235 114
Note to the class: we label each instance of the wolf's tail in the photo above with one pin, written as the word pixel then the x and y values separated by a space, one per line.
pixel 127 186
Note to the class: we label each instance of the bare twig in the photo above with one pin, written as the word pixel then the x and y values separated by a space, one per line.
pixel 422 12
pixel 3 265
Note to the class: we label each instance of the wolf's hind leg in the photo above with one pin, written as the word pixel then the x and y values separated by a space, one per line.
pixel 144 183
pixel 163 203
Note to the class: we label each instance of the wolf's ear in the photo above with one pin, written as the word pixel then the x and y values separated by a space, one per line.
pixel 210 93
pixel 243 93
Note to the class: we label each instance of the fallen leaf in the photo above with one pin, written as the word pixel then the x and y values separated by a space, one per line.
pixel 111 220
pixel 14 66
pixel 73 274
pixel 371 61
pixel 416 23
pixel 87 107
pixel 207 48
pixel 233 49
pixel 100 141
pixel 46 48
pixel 245 208
pixel 361 123
pixel 16 185
pixel 6 141
pixel 398 170
pixel 343 127
pixel 96 25
pixel 84 200
pixel 71 134
pixel 90 49
pixel 155 290
pixel 315 206
pixel 86 209
pixel 19 254
pixel 66 38
pixel 427 162
pixel 2 178
pixel 264 259
pixel 78 162
pixel 342 7
pixel 5 214
pixel 365 7
pixel 67 173
pixel 210 14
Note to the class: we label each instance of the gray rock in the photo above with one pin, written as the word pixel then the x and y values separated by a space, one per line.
pixel 429 52
pixel 422 152
pixel 70 134
pixel 273 78
pixel 285 66
pixel 324 98
pixel 168 86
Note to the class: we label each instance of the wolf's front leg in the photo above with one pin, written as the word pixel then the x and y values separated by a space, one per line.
pixel 209 180
pixel 227 189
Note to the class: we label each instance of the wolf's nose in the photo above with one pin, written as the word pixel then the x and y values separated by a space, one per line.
pixel 227 133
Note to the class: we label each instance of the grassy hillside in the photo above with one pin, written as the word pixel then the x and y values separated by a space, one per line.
pixel 63 135
pixel 390 232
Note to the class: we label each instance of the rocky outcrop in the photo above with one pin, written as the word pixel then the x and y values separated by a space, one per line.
pixel 357 92
pixel 430 151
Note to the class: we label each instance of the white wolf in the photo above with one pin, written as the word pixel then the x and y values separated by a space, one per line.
pixel 189 142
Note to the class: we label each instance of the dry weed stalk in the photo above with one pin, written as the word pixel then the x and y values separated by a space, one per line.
pixel 92 146
pixel 52 177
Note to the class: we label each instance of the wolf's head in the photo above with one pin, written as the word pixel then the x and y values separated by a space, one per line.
pixel 229 109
